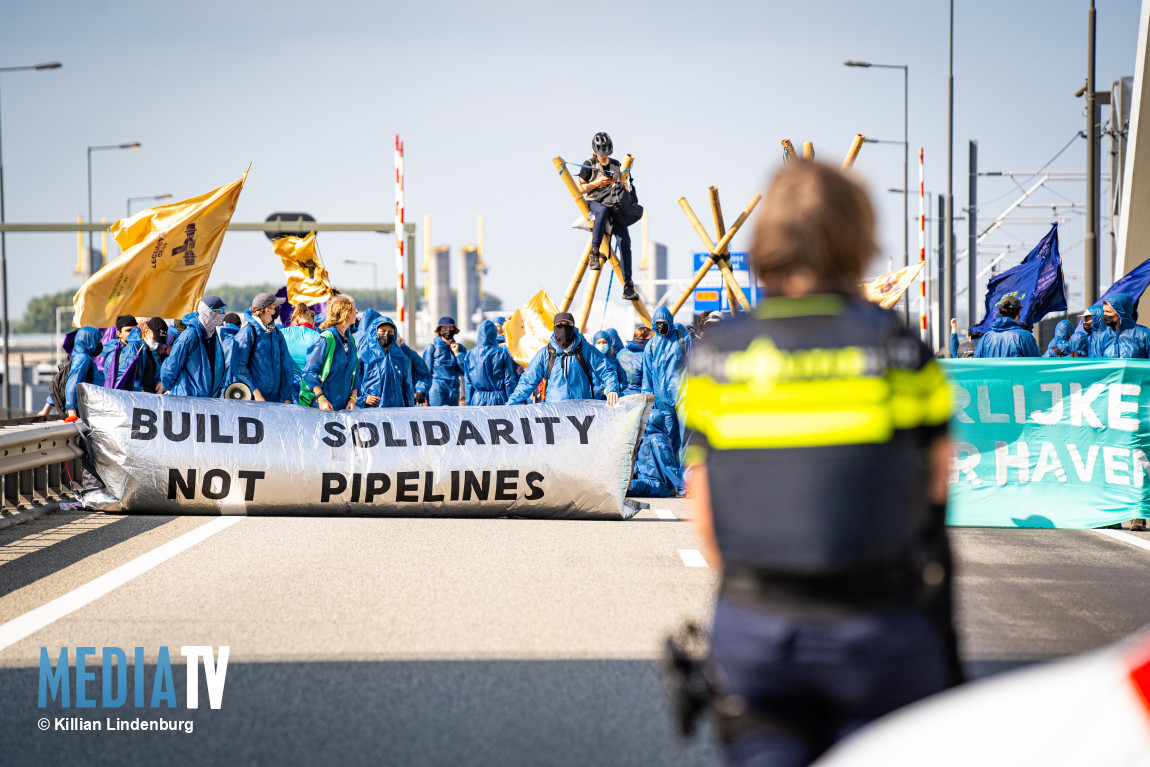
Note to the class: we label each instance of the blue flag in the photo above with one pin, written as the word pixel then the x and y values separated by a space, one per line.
pixel 1133 284
pixel 1037 282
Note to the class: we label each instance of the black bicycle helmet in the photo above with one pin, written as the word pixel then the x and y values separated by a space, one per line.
pixel 601 144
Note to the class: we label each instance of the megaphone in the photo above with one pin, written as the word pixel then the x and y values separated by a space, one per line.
pixel 238 391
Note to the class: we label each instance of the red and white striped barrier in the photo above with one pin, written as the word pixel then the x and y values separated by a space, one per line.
pixel 922 250
pixel 400 233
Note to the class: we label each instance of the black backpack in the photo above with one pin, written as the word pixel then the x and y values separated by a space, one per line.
pixel 627 210
pixel 57 387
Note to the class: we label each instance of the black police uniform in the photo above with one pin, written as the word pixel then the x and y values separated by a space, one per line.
pixel 813 420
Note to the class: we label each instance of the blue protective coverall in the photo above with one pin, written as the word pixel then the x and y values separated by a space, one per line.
pixel 443 386
pixel 1007 338
pixel 658 473
pixel 1127 341
pixel 631 360
pixel 383 374
pixel 568 379
pixel 489 375
pixel 341 379
pixel 118 357
pixel 620 374
pixel 1059 346
pixel 85 349
pixel 227 334
pixel 1082 342
pixel 499 323
pixel 260 359
pixel 195 367
pixel 420 375
pixel 664 373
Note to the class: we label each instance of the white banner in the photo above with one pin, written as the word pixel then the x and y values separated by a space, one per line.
pixel 181 455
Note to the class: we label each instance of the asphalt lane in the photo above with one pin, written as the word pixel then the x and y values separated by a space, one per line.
pixel 402 641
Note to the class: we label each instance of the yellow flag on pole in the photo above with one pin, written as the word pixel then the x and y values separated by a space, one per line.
pixel 168 254
pixel 886 290
pixel 528 329
pixel 307 278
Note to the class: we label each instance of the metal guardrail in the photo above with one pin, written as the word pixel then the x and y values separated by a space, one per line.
pixel 38 464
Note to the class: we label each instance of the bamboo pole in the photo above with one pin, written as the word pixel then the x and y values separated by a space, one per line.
pixel 588 298
pixel 720 230
pixel 808 150
pixel 573 286
pixel 788 151
pixel 856 145
pixel 569 182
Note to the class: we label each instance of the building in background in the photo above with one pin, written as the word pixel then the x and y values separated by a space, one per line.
pixel 439 283
pixel 468 288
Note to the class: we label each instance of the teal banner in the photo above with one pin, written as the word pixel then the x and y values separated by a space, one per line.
pixel 1049 443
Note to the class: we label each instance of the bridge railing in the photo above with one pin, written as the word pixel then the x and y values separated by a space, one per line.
pixel 39 462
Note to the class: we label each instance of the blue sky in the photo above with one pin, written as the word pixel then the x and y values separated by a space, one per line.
pixel 485 94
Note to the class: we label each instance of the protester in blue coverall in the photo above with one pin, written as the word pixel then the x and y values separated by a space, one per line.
pixel 1082 342
pixel 1007 337
pixel 384 370
pixel 500 338
pixel 119 355
pixel 442 357
pixel 603 344
pixel 489 375
pixel 227 335
pixel 86 347
pixel 568 378
pixel 1059 346
pixel 195 366
pixel 658 472
pixel 664 372
pixel 260 357
pixel 631 360
pixel 1122 337
pixel 152 355
pixel 329 372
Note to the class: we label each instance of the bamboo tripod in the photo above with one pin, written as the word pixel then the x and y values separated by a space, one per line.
pixel 720 253
pixel 606 252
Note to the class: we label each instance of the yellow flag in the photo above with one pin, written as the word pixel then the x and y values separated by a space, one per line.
pixel 528 329
pixel 307 278
pixel 886 290
pixel 168 254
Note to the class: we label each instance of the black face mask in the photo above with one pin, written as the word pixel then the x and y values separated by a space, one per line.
pixel 1112 321
pixel 564 335
pixel 661 328
pixel 447 334
pixel 99 349
pixel 641 341
pixel 385 337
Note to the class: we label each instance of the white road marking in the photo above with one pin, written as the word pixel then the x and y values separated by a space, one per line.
pixel 692 558
pixel 30 622
pixel 664 513
pixel 1125 537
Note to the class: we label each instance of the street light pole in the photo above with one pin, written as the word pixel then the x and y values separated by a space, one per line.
pixel 4 395
pixel 374 273
pixel 91 243
pixel 149 198
pixel 905 160
pixel 948 244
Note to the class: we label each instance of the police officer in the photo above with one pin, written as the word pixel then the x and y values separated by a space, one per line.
pixel 819 467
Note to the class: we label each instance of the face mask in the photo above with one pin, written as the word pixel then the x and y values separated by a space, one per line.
pixel 661 328
pixel 99 349
pixel 152 344
pixel 602 347
pixel 447 334
pixel 642 341
pixel 565 335
pixel 385 338
pixel 1111 320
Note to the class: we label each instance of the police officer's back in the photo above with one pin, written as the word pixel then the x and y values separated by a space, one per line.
pixel 819 478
